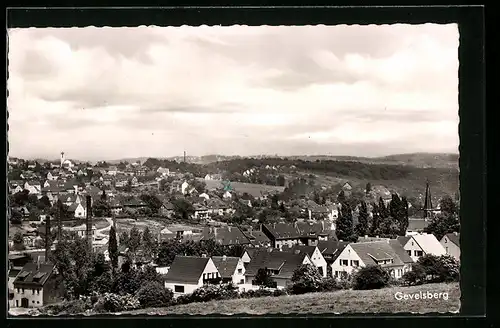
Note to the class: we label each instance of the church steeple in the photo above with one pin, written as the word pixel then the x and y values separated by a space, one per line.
pixel 428 201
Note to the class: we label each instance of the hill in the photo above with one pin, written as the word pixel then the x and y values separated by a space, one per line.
pixel 347 301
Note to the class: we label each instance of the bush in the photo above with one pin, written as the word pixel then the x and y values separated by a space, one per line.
pixel 444 268
pixel 261 292
pixel 280 292
pixel 328 284
pixel 345 282
pixel 214 292
pixel 414 277
pixel 154 294
pixel 371 277
pixel 116 303
pixel 66 307
pixel 183 299
pixel 306 279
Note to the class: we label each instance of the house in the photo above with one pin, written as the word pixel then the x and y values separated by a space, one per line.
pixel 388 254
pixel 247 255
pixel 167 209
pixel 116 207
pixel 16 264
pixel 231 269
pixel 212 177
pixel 301 233
pixel 347 187
pixel 16 189
pixel 226 236
pixel 34 187
pixel 227 195
pixel 112 170
pixel 78 210
pixel 184 187
pixel 416 226
pixel 314 254
pixel 34 286
pixel 134 181
pixel 134 203
pixel 318 212
pixel 187 273
pixel 163 171
pixel 70 199
pixel 258 238
pixel 451 244
pixel 204 195
pixel 280 266
pixel 81 231
pixel 331 249
pixel 421 244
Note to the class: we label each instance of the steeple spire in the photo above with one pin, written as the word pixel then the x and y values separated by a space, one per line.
pixel 428 201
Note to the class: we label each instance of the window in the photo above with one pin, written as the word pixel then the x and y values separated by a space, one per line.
pixel 445 240
pixel 37 302
pixel 240 271
pixel 354 263
pixel 18 290
pixel 419 253
pixel 409 252
pixel 178 289
pixel 33 291
pixel 17 303
pixel 446 249
pixel 23 290
pixel 344 262
pixel 38 291
pixel 242 281
pixel 33 302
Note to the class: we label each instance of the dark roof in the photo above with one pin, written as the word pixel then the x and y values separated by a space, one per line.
pixel 186 269
pixel 331 248
pixel 417 224
pixel 134 202
pixel 226 265
pixel 257 238
pixel 226 236
pixel 14 272
pixel 299 230
pixel 305 249
pixel 403 239
pixel 454 238
pixel 34 275
pixel 400 251
pixel 250 251
pixel 285 262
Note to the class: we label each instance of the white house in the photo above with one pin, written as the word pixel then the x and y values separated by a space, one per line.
pixel 227 195
pixel 420 244
pixel 314 254
pixel 187 273
pixel 231 269
pixel 204 195
pixel 184 187
pixel 51 177
pixel 32 287
pixel 388 254
pixel 451 244
pixel 78 210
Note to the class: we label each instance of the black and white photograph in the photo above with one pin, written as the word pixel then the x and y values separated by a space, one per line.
pixel 233 170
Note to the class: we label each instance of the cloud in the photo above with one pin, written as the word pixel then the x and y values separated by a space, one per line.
pixel 348 90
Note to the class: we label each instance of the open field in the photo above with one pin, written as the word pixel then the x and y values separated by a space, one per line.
pixel 253 189
pixel 347 301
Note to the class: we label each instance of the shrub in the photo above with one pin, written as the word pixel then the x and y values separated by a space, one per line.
pixel 414 277
pixel 66 307
pixel 214 292
pixel 280 292
pixel 345 282
pixel 261 292
pixel 183 299
pixel 444 268
pixel 328 284
pixel 371 277
pixel 154 294
pixel 306 279
pixel 116 303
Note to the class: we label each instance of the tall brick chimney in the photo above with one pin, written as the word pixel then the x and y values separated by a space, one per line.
pixel 89 220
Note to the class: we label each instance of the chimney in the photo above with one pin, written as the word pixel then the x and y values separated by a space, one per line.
pixel 89 220
pixel 376 237
pixel 47 237
pixel 366 236
pixel 455 233
pixel 224 257
pixel 203 255
pixel 76 189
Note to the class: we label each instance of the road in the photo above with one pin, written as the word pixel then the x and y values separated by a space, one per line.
pixel 100 232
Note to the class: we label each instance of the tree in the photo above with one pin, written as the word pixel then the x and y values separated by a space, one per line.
pixel 124 238
pixel 404 217
pixel 104 196
pixel 44 203
pixel 444 268
pixel 263 279
pixel 281 180
pixel 154 294
pixel 345 229
pixel 341 198
pixel 101 208
pixel 18 241
pixel 152 202
pixel 362 227
pixel 135 240
pixel 447 221
pixel 414 277
pixel 183 209
pixel 368 188
pixel 306 279
pixel 16 217
pixel 371 277
pixel 113 247
pixel 148 241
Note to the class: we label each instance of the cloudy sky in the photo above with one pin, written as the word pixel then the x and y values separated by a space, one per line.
pixel 110 93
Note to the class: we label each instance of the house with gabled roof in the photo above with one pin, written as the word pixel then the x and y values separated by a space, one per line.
pixel 280 266
pixel 298 233
pixel 226 236
pixel 231 269
pixel 187 273
pixel 258 238
pixel 388 254
pixel 451 244
pixel 34 285
pixel 331 249
pixel 314 254
pixel 421 244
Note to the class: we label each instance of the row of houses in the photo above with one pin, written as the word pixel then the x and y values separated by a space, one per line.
pixel 332 258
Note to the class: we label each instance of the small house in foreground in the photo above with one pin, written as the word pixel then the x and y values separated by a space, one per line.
pixel 187 273
pixel 451 244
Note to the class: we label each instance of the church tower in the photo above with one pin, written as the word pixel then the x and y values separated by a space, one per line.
pixel 428 209
pixel 62 158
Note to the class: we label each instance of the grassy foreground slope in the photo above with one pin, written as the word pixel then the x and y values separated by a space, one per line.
pixel 347 301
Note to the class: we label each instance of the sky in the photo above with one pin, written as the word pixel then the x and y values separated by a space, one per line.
pixel 112 93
